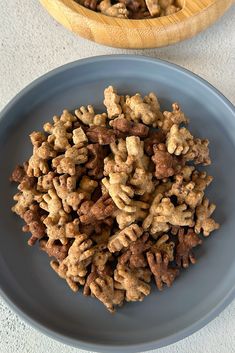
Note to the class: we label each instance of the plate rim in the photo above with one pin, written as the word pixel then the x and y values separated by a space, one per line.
pixel 86 345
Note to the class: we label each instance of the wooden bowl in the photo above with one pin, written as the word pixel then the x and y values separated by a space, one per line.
pixel 195 16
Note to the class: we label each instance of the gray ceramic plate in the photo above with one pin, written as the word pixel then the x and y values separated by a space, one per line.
pixel 33 289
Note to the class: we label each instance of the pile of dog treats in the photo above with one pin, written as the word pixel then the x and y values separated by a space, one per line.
pixel 115 198
pixel 133 9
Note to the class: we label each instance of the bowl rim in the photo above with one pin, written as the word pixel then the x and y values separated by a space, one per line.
pixel 86 345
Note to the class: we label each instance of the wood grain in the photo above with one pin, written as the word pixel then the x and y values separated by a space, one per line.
pixel 195 16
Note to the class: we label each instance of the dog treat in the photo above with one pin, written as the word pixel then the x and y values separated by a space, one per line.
pixel 133 9
pixel 115 197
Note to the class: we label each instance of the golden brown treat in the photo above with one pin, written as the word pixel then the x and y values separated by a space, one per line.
pixel 159 265
pixel 135 255
pixel 88 117
pixel 134 282
pixel 129 128
pixel 103 289
pixel 142 111
pixel 103 208
pixel 177 141
pixel 18 174
pixel 175 215
pixel 164 246
pixel 90 4
pixel 187 242
pixel 95 164
pixel 111 98
pixel 124 238
pixel 186 192
pixel 151 223
pixel 101 135
pixel 58 251
pixel 153 7
pixel 33 218
pixel 175 117
pixel 164 162
pixel 198 152
pixel 119 160
pixel 79 136
pixel 119 191
pixel 124 219
pixel 59 135
pixel 154 138
pixel 53 205
pixel 111 208
pixel 201 180
pixel 134 5
pixel 204 222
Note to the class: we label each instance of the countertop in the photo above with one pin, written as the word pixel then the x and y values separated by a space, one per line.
pixel 32 43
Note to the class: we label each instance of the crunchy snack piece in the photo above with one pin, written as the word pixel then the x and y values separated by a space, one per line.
pixel 37 165
pixel 198 152
pixel 119 191
pixel 79 136
pixel 103 208
pixel 129 128
pixel 124 219
pixel 186 172
pixel 101 135
pixel 186 192
pixel 111 98
pixel 159 265
pixel 187 242
pixel 175 215
pixel 153 7
pixel 164 246
pixel 90 4
pixel 175 117
pixel 141 179
pixel 58 251
pixel 134 282
pixel 18 174
pixel 24 199
pixel 101 236
pixel 103 289
pixel 204 222
pixel 63 233
pixel 59 135
pixel 154 138
pixel 177 141
pixel 53 205
pixel 88 117
pixel 74 267
pixel 77 154
pixel 45 182
pixel 123 238
pixel 201 180
pixel 37 138
pixel 142 110
pixel 33 218
pixel 95 164
pixel 151 223
pixel 164 162
pixel 135 255
pixel 134 5
pixel 119 160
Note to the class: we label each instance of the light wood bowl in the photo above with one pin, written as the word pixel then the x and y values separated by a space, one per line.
pixel 195 16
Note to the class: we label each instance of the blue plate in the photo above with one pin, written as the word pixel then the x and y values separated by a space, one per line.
pixel 27 282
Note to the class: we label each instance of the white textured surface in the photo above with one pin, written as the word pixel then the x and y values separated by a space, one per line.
pixel 32 44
